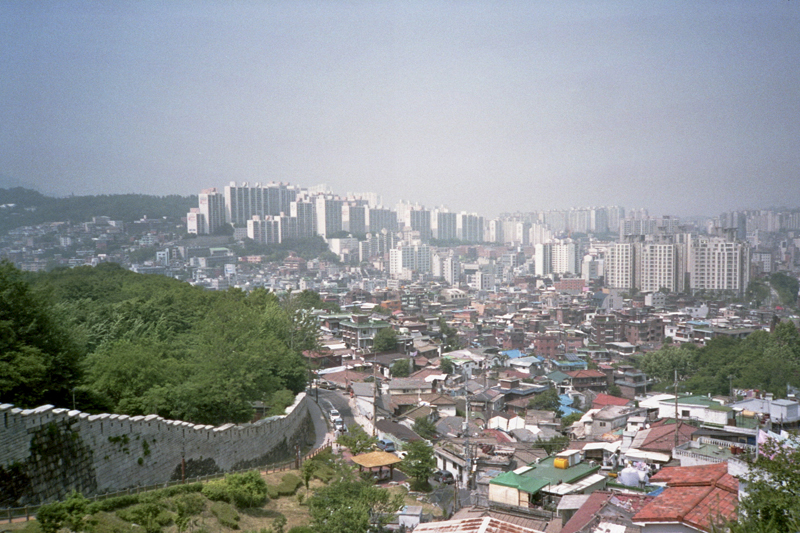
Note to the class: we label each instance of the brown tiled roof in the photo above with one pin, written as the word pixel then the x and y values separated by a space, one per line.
pixel 587 511
pixel 698 496
pixel 662 438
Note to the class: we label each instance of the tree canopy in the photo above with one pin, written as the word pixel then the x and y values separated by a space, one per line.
pixel 385 340
pixel 137 344
pixel 765 361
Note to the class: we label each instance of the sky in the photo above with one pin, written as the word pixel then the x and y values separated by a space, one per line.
pixel 683 108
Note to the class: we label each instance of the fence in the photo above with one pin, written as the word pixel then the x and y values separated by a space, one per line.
pixel 23 514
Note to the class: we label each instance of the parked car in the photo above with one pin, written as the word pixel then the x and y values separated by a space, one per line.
pixel 334 414
pixel 339 426
pixel 386 445
pixel 443 476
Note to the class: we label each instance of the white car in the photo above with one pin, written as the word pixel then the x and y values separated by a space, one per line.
pixel 334 414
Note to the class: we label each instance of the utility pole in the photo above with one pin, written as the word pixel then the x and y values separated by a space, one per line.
pixel 374 394
pixel 677 420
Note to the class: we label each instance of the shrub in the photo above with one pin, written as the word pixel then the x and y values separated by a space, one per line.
pixel 112 504
pixel 226 514
pixel 301 529
pixel 151 516
pixel 289 485
pixel 242 490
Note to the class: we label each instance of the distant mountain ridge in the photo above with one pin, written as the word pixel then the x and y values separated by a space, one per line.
pixel 26 207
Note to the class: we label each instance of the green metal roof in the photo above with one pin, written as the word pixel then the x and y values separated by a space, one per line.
pixel 543 474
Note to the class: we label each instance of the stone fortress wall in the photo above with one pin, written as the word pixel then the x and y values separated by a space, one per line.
pixel 47 452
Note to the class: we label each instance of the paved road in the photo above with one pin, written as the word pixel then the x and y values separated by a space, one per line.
pixel 334 399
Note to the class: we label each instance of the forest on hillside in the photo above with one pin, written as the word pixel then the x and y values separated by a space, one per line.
pixel 109 340
pixel 25 207
pixel 767 361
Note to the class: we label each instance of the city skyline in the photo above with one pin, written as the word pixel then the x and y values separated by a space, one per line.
pixel 682 108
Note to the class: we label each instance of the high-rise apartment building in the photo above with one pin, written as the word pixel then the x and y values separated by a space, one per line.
pixel 717 264
pixel 304 211
pixel 469 227
pixel 564 257
pixel 328 211
pixel 379 218
pixel 409 257
pixel 445 225
pixel 543 259
pixel 618 266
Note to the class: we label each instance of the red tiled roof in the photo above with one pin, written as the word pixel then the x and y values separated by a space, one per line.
pixel 485 524
pixel 606 399
pixel 681 476
pixel 698 496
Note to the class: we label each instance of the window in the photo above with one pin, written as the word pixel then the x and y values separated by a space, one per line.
pixel 685 413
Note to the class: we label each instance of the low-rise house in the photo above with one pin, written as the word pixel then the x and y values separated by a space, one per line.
pixel 602 511
pixel 592 380
pixel 780 412
pixel 546 481
pixel 410 386
pixel 698 408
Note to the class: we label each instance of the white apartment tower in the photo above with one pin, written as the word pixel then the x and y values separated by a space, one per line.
pixel 409 257
pixel 564 257
pixel 657 267
pixel 618 266
pixel 716 264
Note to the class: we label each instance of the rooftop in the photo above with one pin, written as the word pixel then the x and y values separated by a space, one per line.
pixel 535 477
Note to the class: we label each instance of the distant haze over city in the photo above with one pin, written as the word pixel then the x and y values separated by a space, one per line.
pixel 683 108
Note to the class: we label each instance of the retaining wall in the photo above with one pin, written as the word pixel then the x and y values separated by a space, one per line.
pixel 47 452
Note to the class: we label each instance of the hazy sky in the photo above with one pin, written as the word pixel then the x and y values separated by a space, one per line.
pixel 681 107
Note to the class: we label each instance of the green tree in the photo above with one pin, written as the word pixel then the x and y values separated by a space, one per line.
pixel 424 427
pixel 51 517
pixel 385 340
pixel 401 368
pixel 450 340
pixel 352 506
pixel 546 401
pixel 570 419
pixel 786 286
pixel 663 363
pixel 614 390
pixel 39 358
pixel 76 513
pixel 356 440
pixel 419 464
pixel 773 486
pixel 446 365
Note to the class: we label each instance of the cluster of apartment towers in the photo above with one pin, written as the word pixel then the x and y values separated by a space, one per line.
pixel 651 254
